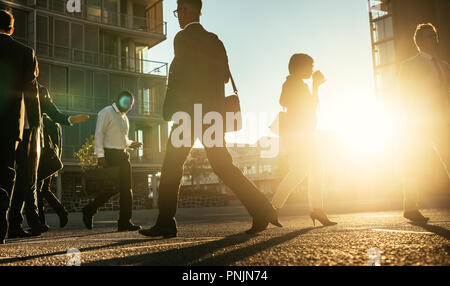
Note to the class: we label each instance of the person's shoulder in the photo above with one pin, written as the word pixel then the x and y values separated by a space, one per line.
pixel 22 47
pixel 106 110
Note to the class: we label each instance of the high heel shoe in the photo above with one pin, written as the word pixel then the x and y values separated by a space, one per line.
pixel 261 223
pixel 320 215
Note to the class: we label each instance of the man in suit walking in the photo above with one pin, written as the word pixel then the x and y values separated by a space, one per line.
pixel 424 82
pixel 198 75
pixel 18 92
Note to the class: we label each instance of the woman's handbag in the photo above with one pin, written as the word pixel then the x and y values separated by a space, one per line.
pixel 281 124
pixel 232 105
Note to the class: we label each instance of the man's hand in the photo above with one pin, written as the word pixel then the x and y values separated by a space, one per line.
pixel 136 145
pixel 101 162
pixel 318 79
pixel 78 118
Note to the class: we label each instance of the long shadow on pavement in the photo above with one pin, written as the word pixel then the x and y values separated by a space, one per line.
pixel 441 231
pixel 120 243
pixel 192 254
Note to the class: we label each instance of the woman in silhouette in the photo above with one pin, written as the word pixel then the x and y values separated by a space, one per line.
pixel 297 132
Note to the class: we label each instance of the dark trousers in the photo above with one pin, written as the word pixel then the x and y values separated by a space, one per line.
pixel 47 194
pixel 24 192
pixel 7 175
pixel 221 161
pixel 121 159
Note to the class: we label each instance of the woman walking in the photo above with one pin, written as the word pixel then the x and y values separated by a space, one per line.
pixel 299 136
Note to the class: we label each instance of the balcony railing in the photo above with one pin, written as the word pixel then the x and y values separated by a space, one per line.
pixel 107 61
pixel 98 15
pixel 380 8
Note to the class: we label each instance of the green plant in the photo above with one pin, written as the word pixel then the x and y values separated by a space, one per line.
pixel 85 154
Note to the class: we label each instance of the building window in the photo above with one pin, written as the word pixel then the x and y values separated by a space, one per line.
pixel 385 53
pixel 383 29
pixel 140 138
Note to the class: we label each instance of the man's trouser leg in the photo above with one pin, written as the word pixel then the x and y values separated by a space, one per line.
pixel 171 175
pixel 7 175
pixel 24 193
pixel 246 191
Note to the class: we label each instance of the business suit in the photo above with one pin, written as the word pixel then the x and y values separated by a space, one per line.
pixel 18 86
pixel 198 75
pixel 425 100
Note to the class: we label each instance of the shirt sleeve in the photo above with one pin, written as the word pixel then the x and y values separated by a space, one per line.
pixel 100 129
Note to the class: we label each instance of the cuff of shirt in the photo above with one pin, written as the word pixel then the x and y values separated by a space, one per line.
pixel 70 122
pixel 100 153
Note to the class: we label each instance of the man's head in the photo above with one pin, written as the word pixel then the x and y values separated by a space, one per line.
pixel 188 11
pixel 125 101
pixel 301 65
pixel 6 22
pixel 426 39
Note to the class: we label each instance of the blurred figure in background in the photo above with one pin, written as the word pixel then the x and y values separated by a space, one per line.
pixel 52 120
pixel 424 108
pixel 299 137
pixel 111 144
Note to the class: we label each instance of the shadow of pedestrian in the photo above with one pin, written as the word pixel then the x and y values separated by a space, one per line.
pixel 192 255
pixel 441 231
pixel 120 243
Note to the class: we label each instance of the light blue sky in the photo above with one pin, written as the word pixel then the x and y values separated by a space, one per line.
pixel 261 35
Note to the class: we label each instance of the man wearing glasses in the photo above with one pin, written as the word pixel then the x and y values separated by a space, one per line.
pixel 198 75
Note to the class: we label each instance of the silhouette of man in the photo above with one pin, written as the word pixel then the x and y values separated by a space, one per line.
pixel 424 91
pixel 198 74
pixel 18 85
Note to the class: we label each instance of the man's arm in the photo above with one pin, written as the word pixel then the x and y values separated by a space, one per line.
pixel 175 77
pixel 100 130
pixel 30 89
pixel 48 107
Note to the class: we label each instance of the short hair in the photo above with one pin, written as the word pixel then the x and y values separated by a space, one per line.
pixel 6 20
pixel 125 93
pixel 197 4
pixel 420 30
pixel 298 60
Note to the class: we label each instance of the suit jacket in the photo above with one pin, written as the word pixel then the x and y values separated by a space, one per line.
pixel 198 72
pixel 18 70
pixel 52 120
pixel 424 93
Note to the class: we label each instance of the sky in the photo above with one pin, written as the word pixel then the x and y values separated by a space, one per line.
pixel 260 37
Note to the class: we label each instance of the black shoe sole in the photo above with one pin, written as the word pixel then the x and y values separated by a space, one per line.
pixel 164 235
pixel 125 230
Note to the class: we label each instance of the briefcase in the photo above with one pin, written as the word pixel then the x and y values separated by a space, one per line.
pixel 102 180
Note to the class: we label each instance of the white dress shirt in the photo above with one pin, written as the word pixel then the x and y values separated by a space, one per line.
pixel 111 131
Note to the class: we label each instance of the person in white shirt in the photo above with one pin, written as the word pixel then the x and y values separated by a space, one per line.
pixel 424 106
pixel 111 143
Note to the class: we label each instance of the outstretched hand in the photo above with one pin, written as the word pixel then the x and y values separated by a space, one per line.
pixel 79 118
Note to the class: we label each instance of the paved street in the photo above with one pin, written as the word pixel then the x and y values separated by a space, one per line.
pixel 213 236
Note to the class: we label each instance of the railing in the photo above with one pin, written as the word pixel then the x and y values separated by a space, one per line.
pixel 149 158
pixel 98 15
pixel 379 8
pixel 88 58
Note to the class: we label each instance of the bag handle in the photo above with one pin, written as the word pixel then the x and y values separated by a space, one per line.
pixel 233 84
